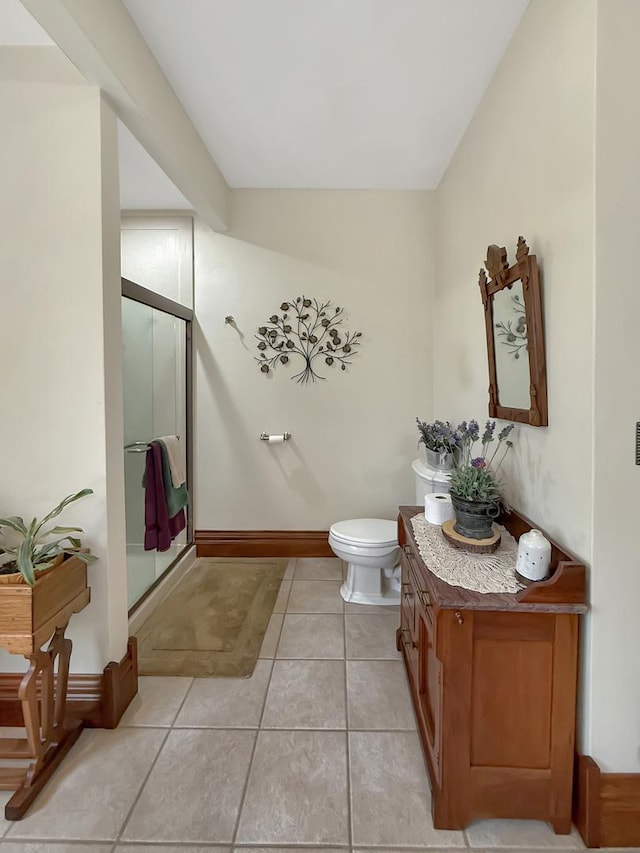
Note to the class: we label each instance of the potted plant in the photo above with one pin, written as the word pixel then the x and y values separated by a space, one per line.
pixel 32 552
pixel 476 493
pixel 440 441
pixel 44 582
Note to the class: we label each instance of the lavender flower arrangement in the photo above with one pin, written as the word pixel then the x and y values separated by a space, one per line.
pixel 474 477
pixel 439 436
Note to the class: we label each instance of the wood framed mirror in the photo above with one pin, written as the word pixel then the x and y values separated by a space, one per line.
pixel 515 337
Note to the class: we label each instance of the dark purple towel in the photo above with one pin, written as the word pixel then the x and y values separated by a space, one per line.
pixel 159 529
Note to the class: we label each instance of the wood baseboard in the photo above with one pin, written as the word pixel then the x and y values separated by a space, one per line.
pixel 606 805
pixel 262 543
pixel 586 798
pixel 98 700
pixel 119 686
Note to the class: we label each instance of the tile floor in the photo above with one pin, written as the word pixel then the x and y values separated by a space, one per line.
pixel 317 749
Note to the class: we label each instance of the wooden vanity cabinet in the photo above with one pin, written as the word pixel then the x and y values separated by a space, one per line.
pixel 493 679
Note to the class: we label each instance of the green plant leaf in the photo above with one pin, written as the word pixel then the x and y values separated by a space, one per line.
pixel 33 550
pixel 87 558
pixel 14 523
pixel 12 551
pixel 24 563
pixel 56 530
pixel 64 503
pixel 52 549
pixel 47 552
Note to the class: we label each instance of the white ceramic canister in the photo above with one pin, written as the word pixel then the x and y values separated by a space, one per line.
pixel 534 556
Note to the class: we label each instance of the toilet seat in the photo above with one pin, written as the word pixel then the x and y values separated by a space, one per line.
pixel 363 532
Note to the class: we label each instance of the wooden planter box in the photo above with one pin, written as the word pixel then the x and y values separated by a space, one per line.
pixel 29 615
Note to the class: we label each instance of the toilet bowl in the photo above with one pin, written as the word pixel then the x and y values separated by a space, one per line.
pixel 369 546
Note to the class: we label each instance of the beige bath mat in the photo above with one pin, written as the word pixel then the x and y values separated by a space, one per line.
pixel 214 621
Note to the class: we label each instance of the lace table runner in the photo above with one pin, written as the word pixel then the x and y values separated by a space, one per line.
pixel 479 572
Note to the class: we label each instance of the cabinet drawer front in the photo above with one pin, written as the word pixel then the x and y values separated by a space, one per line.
pixel 422 596
pixel 408 599
pixel 408 609
pixel 410 647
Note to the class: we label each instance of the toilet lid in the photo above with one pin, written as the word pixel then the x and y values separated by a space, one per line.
pixel 368 531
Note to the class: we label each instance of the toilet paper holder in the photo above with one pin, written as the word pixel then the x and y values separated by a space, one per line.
pixel 264 436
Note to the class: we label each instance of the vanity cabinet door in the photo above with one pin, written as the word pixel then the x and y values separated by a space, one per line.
pixel 430 689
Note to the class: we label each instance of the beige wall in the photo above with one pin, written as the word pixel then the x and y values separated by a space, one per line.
pixel 615 583
pixel 37 64
pixel 564 150
pixel 157 253
pixel 525 166
pixel 354 434
pixel 61 428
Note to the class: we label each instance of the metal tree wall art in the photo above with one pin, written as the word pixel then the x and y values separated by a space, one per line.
pixel 309 331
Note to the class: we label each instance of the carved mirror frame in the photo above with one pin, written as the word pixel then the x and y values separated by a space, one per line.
pixel 502 276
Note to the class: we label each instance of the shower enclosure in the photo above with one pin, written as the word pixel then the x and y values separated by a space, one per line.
pixel 156 335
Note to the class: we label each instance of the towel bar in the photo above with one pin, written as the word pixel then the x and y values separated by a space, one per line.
pixel 139 446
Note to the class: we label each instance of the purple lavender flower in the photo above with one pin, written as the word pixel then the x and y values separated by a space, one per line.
pixel 475 477
pixel 438 436
pixel 487 435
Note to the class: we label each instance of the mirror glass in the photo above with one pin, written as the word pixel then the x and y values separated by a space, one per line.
pixel 512 355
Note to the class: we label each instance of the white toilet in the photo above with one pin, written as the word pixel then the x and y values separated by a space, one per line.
pixel 370 548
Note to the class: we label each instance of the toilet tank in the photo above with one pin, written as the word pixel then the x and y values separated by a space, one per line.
pixel 428 479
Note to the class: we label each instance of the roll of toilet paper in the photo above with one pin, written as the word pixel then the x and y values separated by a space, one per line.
pixel 275 439
pixel 438 507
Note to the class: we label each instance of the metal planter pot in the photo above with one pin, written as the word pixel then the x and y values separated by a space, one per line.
pixel 474 519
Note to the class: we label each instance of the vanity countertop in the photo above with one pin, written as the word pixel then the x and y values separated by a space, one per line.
pixel 563 592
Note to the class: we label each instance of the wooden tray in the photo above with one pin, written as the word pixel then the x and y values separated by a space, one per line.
pixel 476 546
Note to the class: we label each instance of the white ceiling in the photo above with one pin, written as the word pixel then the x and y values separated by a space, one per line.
pixel 329 93
pixel 311 93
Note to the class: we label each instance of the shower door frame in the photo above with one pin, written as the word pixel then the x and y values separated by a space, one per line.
pixel 137 293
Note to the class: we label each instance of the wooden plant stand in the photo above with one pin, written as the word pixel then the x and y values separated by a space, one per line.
pixel 29 617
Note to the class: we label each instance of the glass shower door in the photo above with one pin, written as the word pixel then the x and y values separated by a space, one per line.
pixel 154 379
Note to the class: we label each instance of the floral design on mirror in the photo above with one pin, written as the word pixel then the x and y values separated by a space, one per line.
pixel 310 331
pixel 512 302
pixel 515 338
